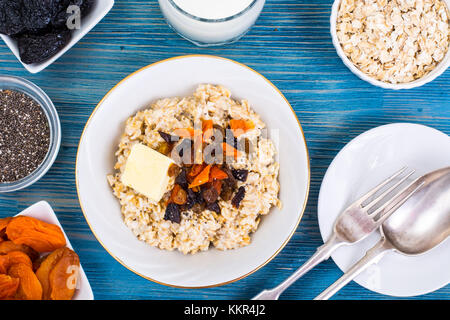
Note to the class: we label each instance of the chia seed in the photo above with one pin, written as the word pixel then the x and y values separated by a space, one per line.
pixel 24 135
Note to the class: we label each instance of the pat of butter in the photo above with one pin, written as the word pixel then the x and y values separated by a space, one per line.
pixel 146 171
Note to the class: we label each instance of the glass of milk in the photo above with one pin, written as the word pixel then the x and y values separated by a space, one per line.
pixel 211 22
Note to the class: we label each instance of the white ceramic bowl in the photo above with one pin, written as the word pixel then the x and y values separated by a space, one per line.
pixel 99 11
pixel 180 76
pixel 440 68
pixel 44 212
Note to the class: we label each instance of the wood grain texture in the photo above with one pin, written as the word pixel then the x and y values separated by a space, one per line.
pixel 290 45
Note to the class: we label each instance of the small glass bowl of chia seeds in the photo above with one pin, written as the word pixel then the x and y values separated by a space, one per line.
pixel 30 133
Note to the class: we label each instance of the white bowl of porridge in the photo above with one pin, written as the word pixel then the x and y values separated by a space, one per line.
pixel 178 218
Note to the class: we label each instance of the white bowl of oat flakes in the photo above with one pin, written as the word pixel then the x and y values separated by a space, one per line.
pixel 393 44
pixel 193 172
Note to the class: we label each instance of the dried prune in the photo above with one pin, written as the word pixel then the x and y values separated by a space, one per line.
pixel 38 48
pixel 240 174
pixel 238 197
pixel 167 137
pixel 172 213
pixel 214 207
pixel 210 195
pixel 40 27
pixel 181 179
pixel 11 20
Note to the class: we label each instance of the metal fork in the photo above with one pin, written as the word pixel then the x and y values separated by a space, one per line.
pixel 354 224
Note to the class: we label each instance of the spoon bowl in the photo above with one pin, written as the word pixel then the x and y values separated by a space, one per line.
pixel 423 221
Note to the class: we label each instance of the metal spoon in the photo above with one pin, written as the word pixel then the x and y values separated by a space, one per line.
pixel 419 225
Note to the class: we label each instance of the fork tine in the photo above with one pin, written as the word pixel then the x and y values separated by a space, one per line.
pixel 392 205
pixel 381 185
pixel 371 204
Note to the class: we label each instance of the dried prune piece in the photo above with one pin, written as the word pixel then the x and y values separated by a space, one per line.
pixel 172 213
pixel 210 195
pixel 240 174
pixel 181 179
pixel 214 207
pixel 11 21
pixel 238 197
pixel 167 137
pixel 38 48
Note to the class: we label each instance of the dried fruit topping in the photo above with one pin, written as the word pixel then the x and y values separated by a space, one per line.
pixel 201 178
pixel 217 184
pixel 210 195
pixel 198 207
pixel 240 174
pixel 207 129
pixel 214 207
pixel 230 151
pixel 181 179
pixel 167 137
pixel 8 286
pixel 241 126
pixel 178 195
pixel 172 213
pixel 39 235
pixel 184 151
pixel 238 197
pixel 217 174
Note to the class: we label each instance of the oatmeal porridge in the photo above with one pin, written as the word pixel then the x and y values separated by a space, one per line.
pixel 219 172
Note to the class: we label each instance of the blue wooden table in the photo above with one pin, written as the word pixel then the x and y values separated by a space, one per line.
pixel 291 45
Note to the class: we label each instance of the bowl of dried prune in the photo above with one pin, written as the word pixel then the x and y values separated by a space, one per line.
pixel 39 32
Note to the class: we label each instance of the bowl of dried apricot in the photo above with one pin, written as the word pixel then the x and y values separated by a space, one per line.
pixel 37 261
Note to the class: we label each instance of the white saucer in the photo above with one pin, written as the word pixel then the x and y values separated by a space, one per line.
pixel 361 165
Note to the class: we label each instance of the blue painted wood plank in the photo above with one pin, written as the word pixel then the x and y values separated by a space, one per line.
pixel 290 45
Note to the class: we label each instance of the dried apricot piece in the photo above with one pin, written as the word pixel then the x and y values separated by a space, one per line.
pixel 58 274
pixel 4 263
pixel 45 268
pixel 4 223
pixel 39 235
pixel 8 286
pixel 29 287
pixel 9 246
pixel 64 276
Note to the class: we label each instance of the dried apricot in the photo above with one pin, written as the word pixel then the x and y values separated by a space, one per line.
pixel 58 274
pixel 9 246
pixel 39 235
pixel 4 223
pixel 8 286
pixel 29 287
pixel 13 257
pixel 64 276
